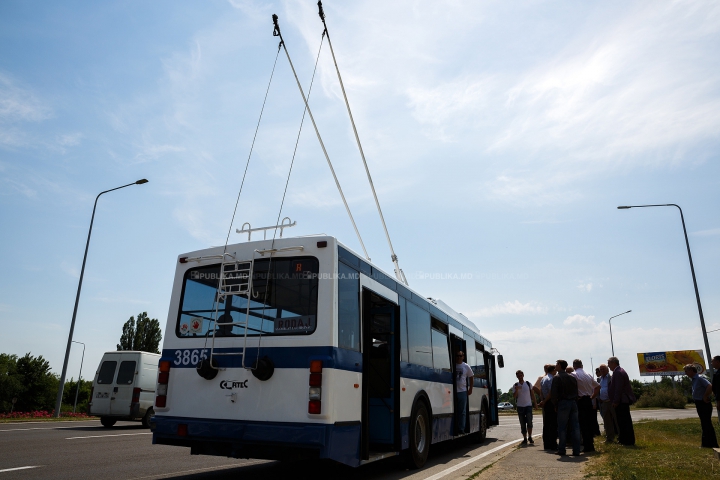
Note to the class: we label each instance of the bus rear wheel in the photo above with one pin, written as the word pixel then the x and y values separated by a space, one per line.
pixel 107 422
pixel 481 435
pixel 420 435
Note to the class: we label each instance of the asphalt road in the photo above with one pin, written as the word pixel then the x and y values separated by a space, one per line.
pixel 86 450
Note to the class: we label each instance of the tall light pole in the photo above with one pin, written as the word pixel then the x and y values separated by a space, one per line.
pixel 77 390
pixel 58 400
pixel 692 270
pixel 612 346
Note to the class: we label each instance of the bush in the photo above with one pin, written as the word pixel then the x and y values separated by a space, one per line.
pixel 662 398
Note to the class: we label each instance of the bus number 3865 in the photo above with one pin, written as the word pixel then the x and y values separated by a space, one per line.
pixel 189 357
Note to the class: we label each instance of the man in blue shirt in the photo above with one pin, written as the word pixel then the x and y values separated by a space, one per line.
pixel 550 432
pixel 606 409
pixel 701 391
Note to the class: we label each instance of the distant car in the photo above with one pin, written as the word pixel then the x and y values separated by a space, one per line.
pixel 506 406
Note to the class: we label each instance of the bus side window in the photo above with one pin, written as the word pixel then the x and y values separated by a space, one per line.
pixel 419 343
pixel 348 307
pixel 470 354
pixel 403 331
pixel 441 352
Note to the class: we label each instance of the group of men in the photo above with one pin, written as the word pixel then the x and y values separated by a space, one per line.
pixel 567 397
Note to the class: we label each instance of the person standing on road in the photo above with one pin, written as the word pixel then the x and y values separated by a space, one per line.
pixel 596 407
pixel 621 396
pixel 588 389
pixel 701 391
pixel 525 401
pixel 606 410
pixel 564 392
pixel 716 382
pixel 463 389
pixel 550 432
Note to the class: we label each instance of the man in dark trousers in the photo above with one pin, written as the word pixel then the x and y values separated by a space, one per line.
pixel 716 381
pixel 564 392
pixel 550 432
pixel 701 391
pixel 621 396
pixel 588 389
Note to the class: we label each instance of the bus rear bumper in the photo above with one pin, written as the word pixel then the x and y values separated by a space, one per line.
pixel 266 440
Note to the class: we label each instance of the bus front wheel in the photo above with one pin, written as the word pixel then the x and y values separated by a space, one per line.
pixel 420 435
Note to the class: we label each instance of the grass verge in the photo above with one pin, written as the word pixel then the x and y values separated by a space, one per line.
pixel 664 449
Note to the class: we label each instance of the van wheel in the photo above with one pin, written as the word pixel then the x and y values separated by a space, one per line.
pixel 419 435
pixel 146 419
pixel 481 435
pixel 107 422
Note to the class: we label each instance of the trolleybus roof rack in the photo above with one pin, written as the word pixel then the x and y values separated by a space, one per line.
pixel 282 226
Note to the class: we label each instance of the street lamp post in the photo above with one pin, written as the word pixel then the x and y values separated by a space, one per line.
pixel 77 390
pixel 58 400
pixel 612 346
pixel 692 270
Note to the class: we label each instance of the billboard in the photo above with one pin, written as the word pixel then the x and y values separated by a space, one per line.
pixel 669 363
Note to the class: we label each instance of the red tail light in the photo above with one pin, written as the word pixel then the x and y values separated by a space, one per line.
pixel 136 395
pixel 315 391
pixel 314 406
pixel 182 430
pixel 162 384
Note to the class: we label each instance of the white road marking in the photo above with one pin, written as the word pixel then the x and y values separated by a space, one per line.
pixel 114 435
pixel 467 462
pixel 32 428
pixel 58 421
pixel 18 468
pixel 207 469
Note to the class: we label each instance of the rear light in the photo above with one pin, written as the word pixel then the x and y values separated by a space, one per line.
pixel 182 430
pixel 315 391
pixel 314 406
pixel 162 384
pixel 183 259
pixel 316 379
pixel 136 395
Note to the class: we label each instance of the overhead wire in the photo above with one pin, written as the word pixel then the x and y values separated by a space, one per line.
pixel 282 202
pixel 398 271
pixel 276 33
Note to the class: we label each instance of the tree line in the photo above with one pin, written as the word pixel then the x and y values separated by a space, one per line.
pixel 29 381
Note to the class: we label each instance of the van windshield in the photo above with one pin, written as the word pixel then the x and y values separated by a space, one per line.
pixel 283 300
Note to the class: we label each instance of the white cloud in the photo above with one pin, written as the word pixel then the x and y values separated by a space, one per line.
pixel 585 287
pixel 70 270
pixel 580 322
pixel 20 104
pixel 510 308
pixel 707 233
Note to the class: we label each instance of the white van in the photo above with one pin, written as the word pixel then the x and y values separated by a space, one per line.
pixel 124 387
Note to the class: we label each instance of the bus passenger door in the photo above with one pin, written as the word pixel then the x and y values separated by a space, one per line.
pixel 457 344
pixel 380 374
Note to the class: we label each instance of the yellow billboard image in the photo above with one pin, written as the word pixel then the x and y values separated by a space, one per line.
pixel 670 363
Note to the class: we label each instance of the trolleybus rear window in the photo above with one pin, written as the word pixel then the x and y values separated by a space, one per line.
pixel 282 302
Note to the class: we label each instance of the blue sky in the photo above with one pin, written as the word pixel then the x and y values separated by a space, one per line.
pixel 501 137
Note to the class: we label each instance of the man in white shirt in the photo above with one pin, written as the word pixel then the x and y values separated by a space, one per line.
pixel 525 402
pixel 463 387
pixel 588 388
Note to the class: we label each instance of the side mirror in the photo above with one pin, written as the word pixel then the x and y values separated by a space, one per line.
pixel 501 363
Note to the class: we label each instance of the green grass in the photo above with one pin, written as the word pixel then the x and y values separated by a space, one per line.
pixel 664 449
